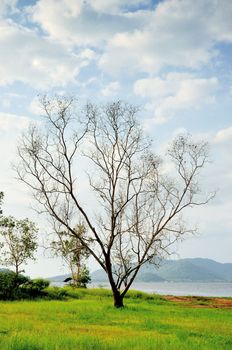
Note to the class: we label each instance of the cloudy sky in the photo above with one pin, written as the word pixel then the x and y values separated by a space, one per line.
pixel 171 57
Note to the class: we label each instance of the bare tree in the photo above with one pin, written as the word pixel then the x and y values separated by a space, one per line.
pixel 139 208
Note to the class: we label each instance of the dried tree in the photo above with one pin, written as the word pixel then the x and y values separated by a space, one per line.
pixel 139 211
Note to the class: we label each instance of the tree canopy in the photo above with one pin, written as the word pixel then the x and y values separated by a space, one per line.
pixel 18 242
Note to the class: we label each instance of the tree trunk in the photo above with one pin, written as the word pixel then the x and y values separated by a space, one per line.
pixel 118 299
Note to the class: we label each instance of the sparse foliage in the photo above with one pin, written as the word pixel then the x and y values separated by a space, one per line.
pixel 74 253
pixel 139 211
pixel 17 242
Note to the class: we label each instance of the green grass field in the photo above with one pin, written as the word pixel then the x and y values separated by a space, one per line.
pixel 91 322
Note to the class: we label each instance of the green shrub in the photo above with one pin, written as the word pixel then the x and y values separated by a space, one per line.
pixel 55 293
pixel 10 285
pixel 35 288
pixel 13 287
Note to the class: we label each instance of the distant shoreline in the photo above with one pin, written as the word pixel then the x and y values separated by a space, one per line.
pixel 207 289
pixel 203 289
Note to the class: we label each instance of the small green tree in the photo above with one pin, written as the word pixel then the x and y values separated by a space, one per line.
pixel 83 278
pixel 17 242
pixel 74 254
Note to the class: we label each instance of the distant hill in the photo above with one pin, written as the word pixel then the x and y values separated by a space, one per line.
pixel 143 276
pixel 187 271
pixel 223 270
pixel 193 270
pixel 183 270
pixel 148 277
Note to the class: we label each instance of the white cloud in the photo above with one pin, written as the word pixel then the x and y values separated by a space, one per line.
pixel 224 135
pixel 88 53
pixel 9 99
pixel 220 24
pixel 35 107
pixel 115 5
pixel 56 17
pixel 111 89
pixel 175 34
pixel 176 91
pixel 214 239
pixel 11 122
pixel 11 126
pixel 79 23
pixel 40 62
pixel 7 6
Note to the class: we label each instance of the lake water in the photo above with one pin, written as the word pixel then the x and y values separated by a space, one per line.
pixel 171 288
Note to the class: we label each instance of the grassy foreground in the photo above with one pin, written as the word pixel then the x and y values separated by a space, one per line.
pixel 90 322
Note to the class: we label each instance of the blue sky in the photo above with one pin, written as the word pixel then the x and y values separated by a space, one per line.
pixel 172 58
